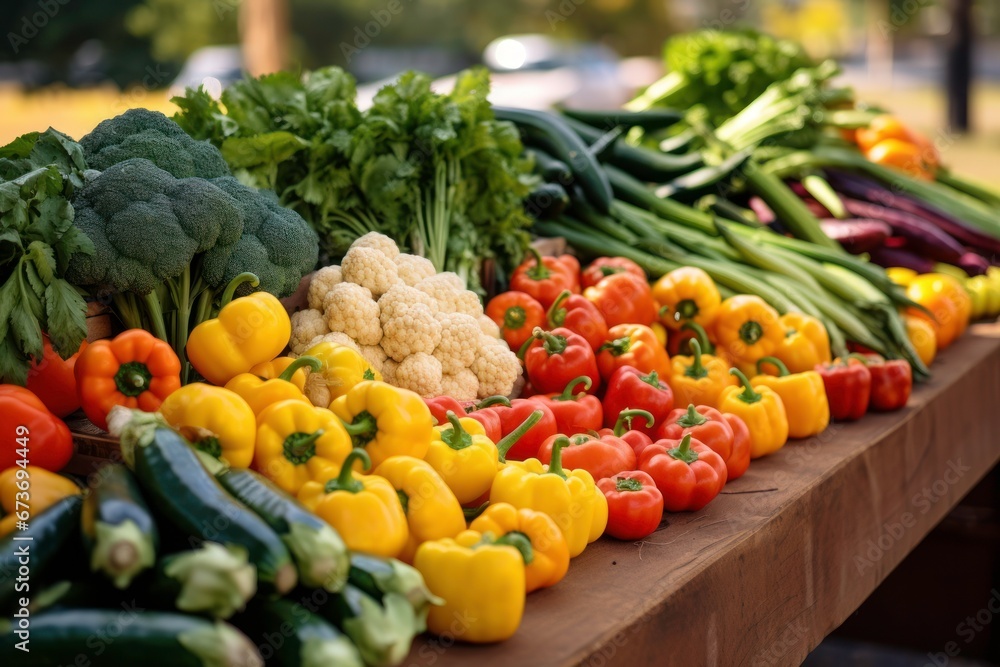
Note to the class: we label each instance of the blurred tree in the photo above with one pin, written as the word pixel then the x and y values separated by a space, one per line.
pixel 176 28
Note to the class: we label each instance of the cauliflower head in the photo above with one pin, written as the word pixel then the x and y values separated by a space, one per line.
pixel 306 325
pixel 399 297
pixel 379 242
pixel 496 367
pixel 350 309
pixel 374 355
pixel 459 340
pixel 420 373
pixel 413 268
pixel 488 326
pixel 409 331
pixel 463 385
pixel 322 282
pixel 369 268
pixel 451 299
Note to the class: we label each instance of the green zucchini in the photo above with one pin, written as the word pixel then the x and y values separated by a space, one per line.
pixel 546 201
pixel 382 631
pixel 319 553
pixel 117 526
pixel 287 634
pixel 213 579
pixel 379 577
pixel 652 119
pixel 126 636
pixel 682 142
pixel 699 182
pixel 25 556
pixel 550 169
pixel 553 134
pixel 182 490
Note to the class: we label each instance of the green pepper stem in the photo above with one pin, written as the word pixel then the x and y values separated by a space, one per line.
pixel 519 541
pixel 555 463
pixel 456 438
pixel 652 379
pixel 626 416
pixel 490 401
pixel 472 512
pixel 511 438
pixel 701 335
pixel 618 346
pixel 777 363
pixel 683 452
pixel 691 418
pixel 313 363
pixel 361 427
pixel 696 370
pixel 231 288
pixel 567 393
pixel 748 395
pixel 553 344
pixel 863 358
pixel 514 318
pixel 624 484
pixel 345 480
pixel 557 315
pixel 539 271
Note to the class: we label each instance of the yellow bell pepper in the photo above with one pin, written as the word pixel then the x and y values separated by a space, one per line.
pixel 686 294
pixel 700 378
pixel 569 497
pixel 259 392
pixel 901 275
pixel 762 411
pixel 922 337
pixel 481 582
pixel 274 369
pixel 661 333
pixel 40 489
pixel 431 509
pixel 216 421
pixel 248 331
pixel 803 394
pixel 464 457
pixel 385 420
pixel 806 342
pixel 747 328
pixel 364 509
pixel 342 369
pixel 298 443
pixel 549 552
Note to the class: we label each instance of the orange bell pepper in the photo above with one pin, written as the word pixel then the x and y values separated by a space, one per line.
pixel 632 345
pixel 623 298
pixel 947 299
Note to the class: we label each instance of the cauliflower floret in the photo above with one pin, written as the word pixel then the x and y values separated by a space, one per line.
pixel 420 373
pixel 453 279
pixel 463 385
pixel 369 268
pixel 399 297
pixel 374 355
pixel 321 283
pixel 450 298
pixel 350 309
pixel 496 368
pixel 411 330
pixel 459 341
pixel 389 367
pixel 413 268
pixel 379 242
pixel 306 325
pixel 335 337
pixel 468 302
pixel 488 326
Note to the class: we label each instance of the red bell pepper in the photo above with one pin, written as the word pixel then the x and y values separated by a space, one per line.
pixel 517 314
pixel 623 429
pixel 544 278
pixel 575 413
pixel 574 312
pixel 602 456
pixel 704 423
pixel 512 417
pixel 52 380
pixel 635 505
pixel 623 298
pixel 629 387
pixel 632 345
pixel 28 431
pixel 739 460
pixel 679 342
pixel 892 382
pixel 554 358
pixel 848 386
pixel 602 267
pixel 687 472
pixel 485 412
pixel 440 406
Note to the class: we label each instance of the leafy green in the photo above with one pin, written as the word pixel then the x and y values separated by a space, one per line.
pixel 38 174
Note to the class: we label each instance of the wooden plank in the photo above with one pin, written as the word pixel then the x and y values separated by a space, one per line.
pixel 766 571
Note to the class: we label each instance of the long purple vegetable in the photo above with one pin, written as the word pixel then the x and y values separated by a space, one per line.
pixel 888 257
pixel 873 191
pixel 856 235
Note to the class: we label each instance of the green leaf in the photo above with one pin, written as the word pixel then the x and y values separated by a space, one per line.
pixel 272 147
pixel 11 248
pixel 43 260
pixel 67 317
pixel 25 325
pixel 13 364
pixel 10 300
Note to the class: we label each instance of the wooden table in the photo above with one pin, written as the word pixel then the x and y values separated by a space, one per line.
pixel 788 552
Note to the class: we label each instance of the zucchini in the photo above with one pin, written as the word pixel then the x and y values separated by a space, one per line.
pixel 382 631
pixel 117 527
pixel 547 201
pixel 182 490
pixel 552 133
pixel 49 532
pixel 289 635
pixel 213 579
pixel 550 169
pixel 682 142
pixel 319 553
pixel 699 182
pixel 381 576
pixel 126 636
pixel 652 119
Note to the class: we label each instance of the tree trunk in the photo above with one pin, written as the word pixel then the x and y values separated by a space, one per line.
pixel 958 64
pixel 264 28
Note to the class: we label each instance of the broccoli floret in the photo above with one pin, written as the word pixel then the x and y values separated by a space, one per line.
pixel 141 133
pixel 277 245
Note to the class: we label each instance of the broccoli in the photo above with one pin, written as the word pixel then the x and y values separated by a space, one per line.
pixel 140 133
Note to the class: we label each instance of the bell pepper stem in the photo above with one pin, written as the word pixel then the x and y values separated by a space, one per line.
pixel 555 463
pixel 521 351
pixel 519 541
pixel 345 480
pixel 864 359
pixel 539 271
pixel 701 335
pixel 456 438
pixel 653 379
pixel 553 344
pixel 618 346
pixel 696 370
pixel 234 284
pixel 567 393
pixel 490 401
pixel 748 395
pixel 133 378
pixel 472 512
pixel 511 438
pixel 777 363
pixel 683 451
pixel 362 429
pixel 313 363
pixel 626 484
pixel 299 447
pixel 626 416
pixel 557 314
pixel 514 318
pixel 691 418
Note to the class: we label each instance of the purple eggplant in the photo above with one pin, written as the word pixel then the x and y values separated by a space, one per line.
pixel 973 264
pixel 921 236
pixel 856 235
pixel 887 257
